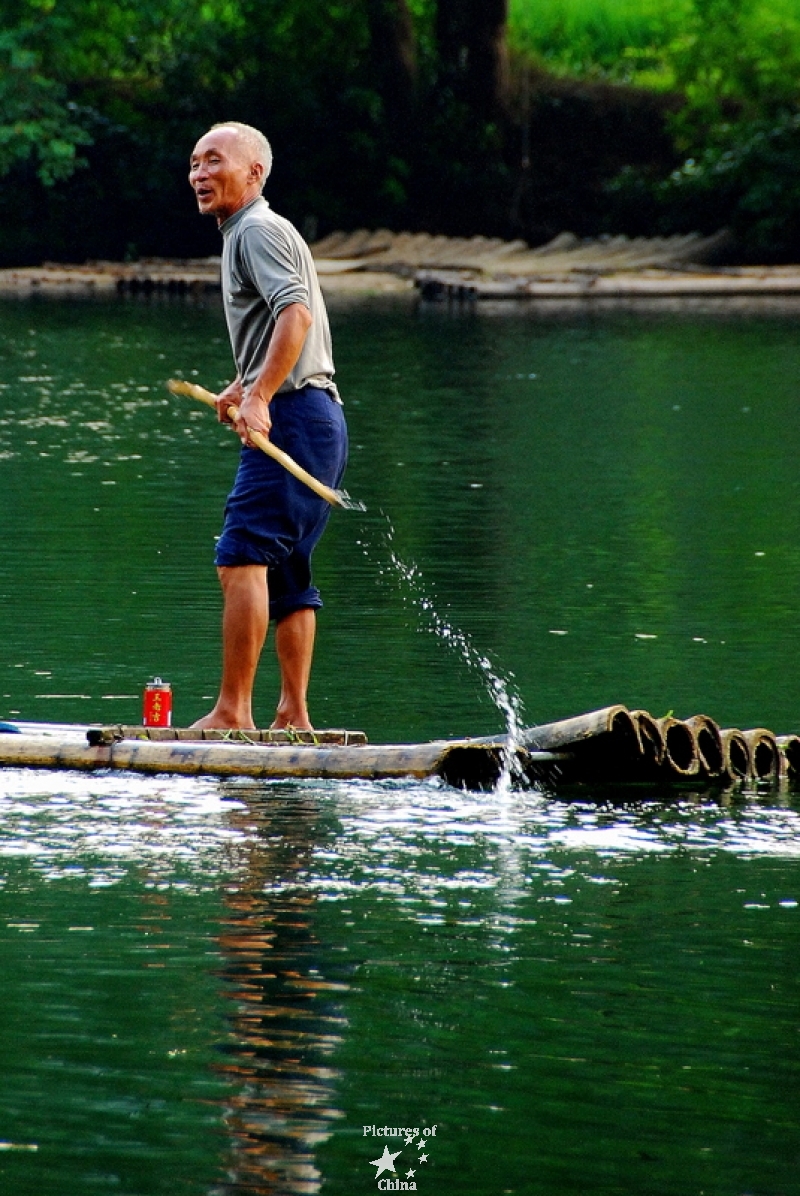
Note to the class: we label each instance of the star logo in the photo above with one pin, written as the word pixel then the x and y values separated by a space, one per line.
pixel 385 1162
pixel 409 1173
pixel 409 1139
pixel 423 1158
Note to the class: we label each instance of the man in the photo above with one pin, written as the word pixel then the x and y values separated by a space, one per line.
pixel 284 388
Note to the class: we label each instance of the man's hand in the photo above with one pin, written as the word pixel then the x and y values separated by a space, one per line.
pixel 231 395
pixel 253 415
pixel 283 353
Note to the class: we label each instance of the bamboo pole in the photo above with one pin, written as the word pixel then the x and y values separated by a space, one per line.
pixel 337 498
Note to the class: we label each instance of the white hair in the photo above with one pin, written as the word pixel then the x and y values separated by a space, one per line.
pixel 254 141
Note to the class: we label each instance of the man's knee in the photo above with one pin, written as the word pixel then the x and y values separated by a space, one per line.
pixel 241 576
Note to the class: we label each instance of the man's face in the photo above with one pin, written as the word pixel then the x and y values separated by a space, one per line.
pixel 221 174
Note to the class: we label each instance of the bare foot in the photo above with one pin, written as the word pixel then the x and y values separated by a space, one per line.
pixel 283 722
pixel 220 720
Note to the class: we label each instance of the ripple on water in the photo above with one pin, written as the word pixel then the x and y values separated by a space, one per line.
pixel 393 836
pixel 69 825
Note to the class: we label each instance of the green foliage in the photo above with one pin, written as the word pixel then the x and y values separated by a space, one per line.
pixel 710 50
pixel 752 177
pixel 619 39
pixel 36 121
pixel 735 64
pixel 735 58
pixel 125 88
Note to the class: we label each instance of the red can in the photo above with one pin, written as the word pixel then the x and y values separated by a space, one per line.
pixel 157 703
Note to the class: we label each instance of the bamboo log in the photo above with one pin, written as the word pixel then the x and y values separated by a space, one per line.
pixel 461 763
pixel 709 745
pixel 738 764
pixel 612 721
pixel 601 745
pixel 790 750
pixel 681 758
pixel 765 756
pixel 609 745
pixel 651 741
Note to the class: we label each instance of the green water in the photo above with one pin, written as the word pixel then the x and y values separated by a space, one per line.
pixel 213 988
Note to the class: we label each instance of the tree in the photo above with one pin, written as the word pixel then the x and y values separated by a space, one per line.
pixel 473 54
pixel 37 122
pixel 393 45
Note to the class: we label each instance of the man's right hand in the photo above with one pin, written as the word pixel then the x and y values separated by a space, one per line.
pixel 231 395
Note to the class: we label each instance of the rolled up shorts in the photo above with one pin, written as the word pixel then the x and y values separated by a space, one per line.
pixel 273 519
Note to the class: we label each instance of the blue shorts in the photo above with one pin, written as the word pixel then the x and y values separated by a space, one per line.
pixel 273 519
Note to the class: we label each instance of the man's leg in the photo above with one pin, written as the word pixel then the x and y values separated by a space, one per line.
pixel 244 629
pixel 294 645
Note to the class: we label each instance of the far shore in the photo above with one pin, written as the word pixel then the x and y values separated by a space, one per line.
pixel 381 263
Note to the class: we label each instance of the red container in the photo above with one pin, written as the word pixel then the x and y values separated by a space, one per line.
pixel 157 703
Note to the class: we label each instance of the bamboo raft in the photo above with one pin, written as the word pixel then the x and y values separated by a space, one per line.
pixel 614 745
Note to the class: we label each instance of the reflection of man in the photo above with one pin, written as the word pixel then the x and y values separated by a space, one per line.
pixel 281 344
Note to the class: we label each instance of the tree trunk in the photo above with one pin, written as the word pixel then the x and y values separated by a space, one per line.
pixel 393 44
pixel 471 39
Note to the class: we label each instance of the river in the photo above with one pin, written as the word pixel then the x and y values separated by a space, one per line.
pixel 224 988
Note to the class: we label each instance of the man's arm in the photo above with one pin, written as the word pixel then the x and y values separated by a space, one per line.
pixel 285 347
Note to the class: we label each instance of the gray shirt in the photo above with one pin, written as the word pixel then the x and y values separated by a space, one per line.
pixel 266 266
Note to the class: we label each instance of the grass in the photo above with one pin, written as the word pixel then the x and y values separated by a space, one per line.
pixel 635 40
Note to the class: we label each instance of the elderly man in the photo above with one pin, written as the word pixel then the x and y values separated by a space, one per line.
pixel 284 388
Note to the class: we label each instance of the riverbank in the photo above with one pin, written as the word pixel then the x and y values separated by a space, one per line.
pixel 365 263
pixel 171 276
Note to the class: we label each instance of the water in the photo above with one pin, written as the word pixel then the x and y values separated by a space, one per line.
pixel 213 988
pixel 498 687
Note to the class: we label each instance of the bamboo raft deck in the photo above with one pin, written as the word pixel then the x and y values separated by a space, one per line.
pixel 614 745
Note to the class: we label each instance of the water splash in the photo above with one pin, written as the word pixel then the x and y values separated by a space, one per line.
pixel 499 687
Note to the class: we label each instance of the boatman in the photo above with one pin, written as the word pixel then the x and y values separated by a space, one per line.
pixel 284 388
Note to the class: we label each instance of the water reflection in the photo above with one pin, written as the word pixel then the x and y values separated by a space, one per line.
pixel 286 1022
pixel 211 987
